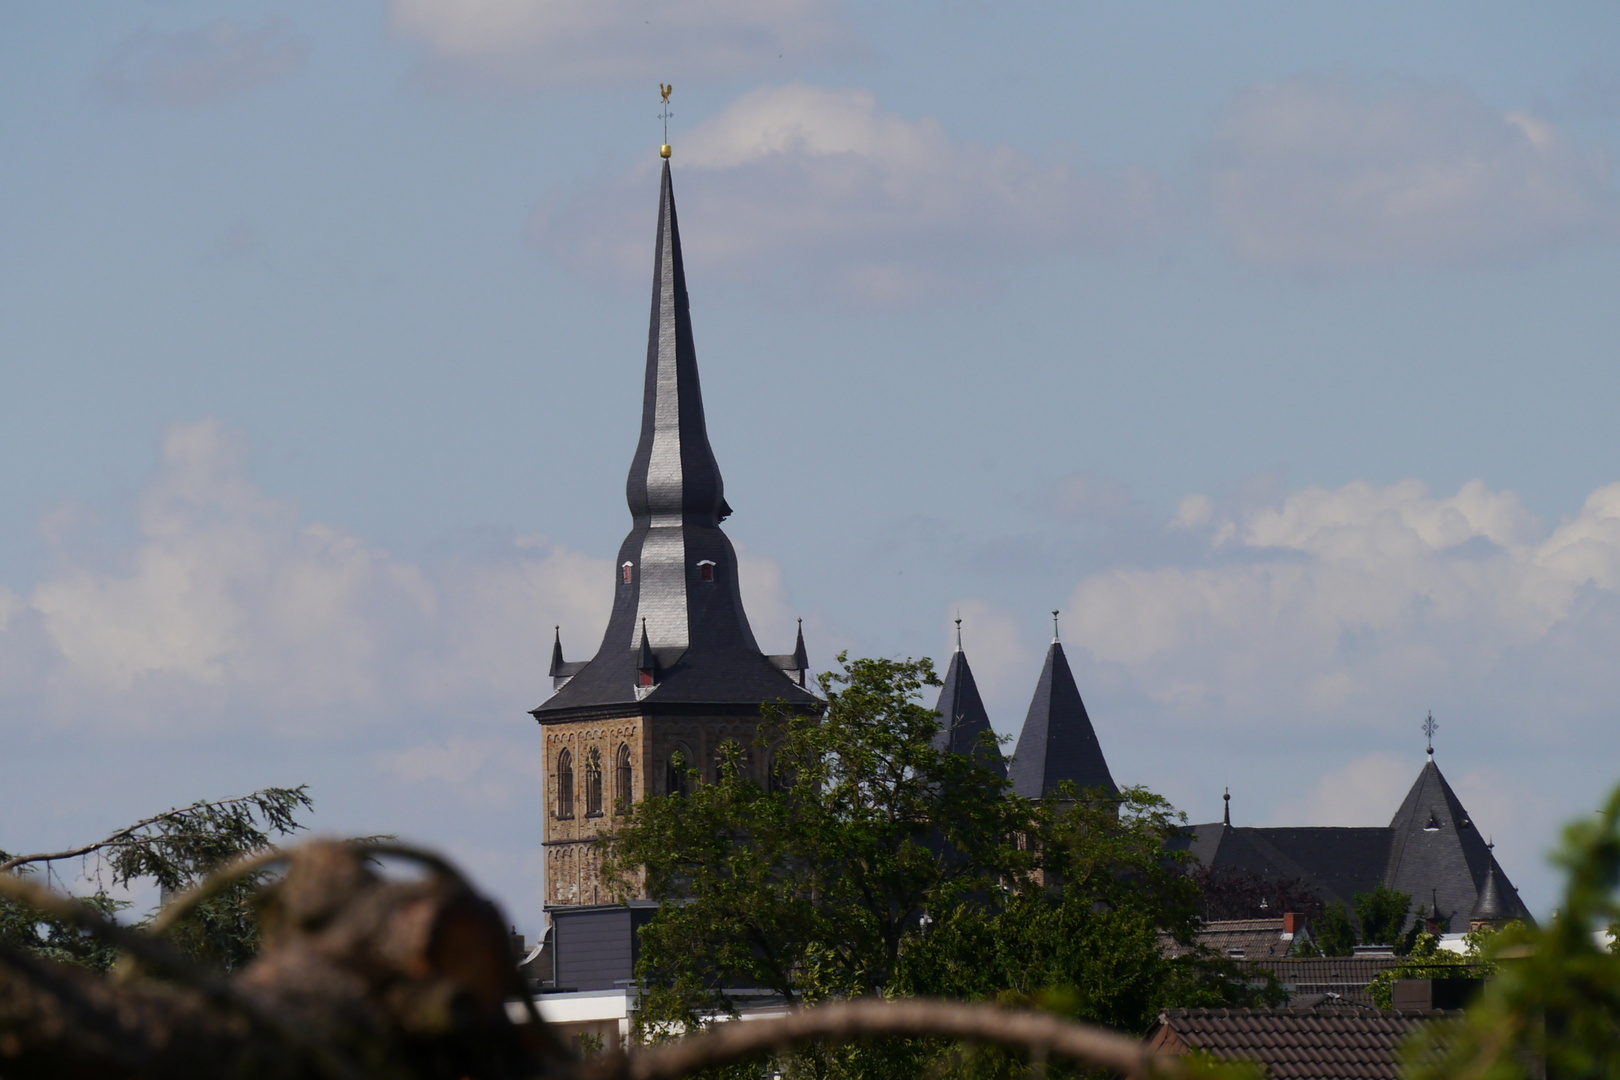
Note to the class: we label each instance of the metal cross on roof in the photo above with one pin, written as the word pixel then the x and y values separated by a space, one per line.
pixel 664 91
pixel 1429 728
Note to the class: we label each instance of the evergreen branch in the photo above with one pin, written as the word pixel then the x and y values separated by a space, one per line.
pixel 275 804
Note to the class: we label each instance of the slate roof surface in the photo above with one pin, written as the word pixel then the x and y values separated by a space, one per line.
pixel 962 718
pixel 1437 855
pixel 1324 1043
pixel 698 632
pixel 1058 742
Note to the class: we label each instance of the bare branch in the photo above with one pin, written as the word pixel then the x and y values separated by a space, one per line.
pixel 1039 1034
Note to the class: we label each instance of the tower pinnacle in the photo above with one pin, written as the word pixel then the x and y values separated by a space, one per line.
pixel 677 610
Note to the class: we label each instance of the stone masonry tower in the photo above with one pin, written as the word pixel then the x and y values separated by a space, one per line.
pixel 678 672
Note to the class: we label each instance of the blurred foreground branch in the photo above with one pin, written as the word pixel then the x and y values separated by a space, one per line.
pixel 363 976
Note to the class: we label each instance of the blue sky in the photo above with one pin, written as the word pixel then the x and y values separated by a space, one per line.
pixel 1273 344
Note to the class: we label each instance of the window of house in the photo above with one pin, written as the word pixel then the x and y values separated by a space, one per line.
pixel 625 570
pixel 680 759
pixel 646 677
pixel 593 783
pixel 565 785
pixel 624 777
pixel 706 570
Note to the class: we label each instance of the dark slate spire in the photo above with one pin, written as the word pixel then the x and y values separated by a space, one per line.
pixel 1492 909
pixel 962 718
pixel 1058 742
pixel 1435 848
pixel 675 579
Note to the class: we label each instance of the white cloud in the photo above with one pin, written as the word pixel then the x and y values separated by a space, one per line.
pixel 1363 598
pixel 1365 791
pixel 812 186
pixel 230 610
pixel 1310 173
pixel 525 44
pixel 198 67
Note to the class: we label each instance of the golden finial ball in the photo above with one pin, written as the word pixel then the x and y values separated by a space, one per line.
pixel 664 151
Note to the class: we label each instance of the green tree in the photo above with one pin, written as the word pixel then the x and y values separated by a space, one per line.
pixel 1381 914
pixel 173 850
pixel 1332 934
pixel 1425 959
pixel 875 864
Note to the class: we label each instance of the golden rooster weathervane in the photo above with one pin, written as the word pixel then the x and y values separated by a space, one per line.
pixel 665 90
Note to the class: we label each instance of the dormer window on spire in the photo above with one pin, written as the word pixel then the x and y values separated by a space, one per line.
pixel 626 571
pixel 706 570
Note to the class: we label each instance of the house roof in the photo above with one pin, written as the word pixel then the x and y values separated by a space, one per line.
pixel 1322 1043
pixel 696 629
pixel 1058 742
pixel 963 721
pixel 1239 939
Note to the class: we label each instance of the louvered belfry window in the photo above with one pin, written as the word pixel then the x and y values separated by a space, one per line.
pixel 623 779
pixel 680 759
pixel 565 785
pixel 593 783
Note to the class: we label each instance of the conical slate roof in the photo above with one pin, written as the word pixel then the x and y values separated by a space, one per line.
pixel 676 574
pixel 1437 856
pixel 962 719
pixel 1058 742
pixel 1492 905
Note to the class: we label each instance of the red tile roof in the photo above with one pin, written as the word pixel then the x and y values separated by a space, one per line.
pixel 1335 1043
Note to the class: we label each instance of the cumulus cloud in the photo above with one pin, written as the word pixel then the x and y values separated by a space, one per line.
pixel 1310 173
pixel 1365 791
pixel 526 44
pixel 1362 598
pixel 222 60
pixel 818 186
pixel 230 609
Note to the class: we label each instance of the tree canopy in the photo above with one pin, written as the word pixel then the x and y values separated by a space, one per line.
pixel 873 863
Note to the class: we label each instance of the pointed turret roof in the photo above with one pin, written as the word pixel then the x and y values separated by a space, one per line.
pixel 1437 853
pixel 1492 906
pixel 1058 742
pixel 962 718
pixel 676 575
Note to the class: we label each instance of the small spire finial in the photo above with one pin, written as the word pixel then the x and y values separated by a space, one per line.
pixel 1429 728
pixel 665 90
pixel 958 631
pixel 1054 625
pixel 1226 811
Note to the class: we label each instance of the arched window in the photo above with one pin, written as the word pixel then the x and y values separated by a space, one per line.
pixel 593 783
pixel 680 759
pixel 565 785
pixel 623 779
pixel 774 781
pixel 626 570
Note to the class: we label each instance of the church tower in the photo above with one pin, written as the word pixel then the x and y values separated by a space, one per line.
pixel 678 672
